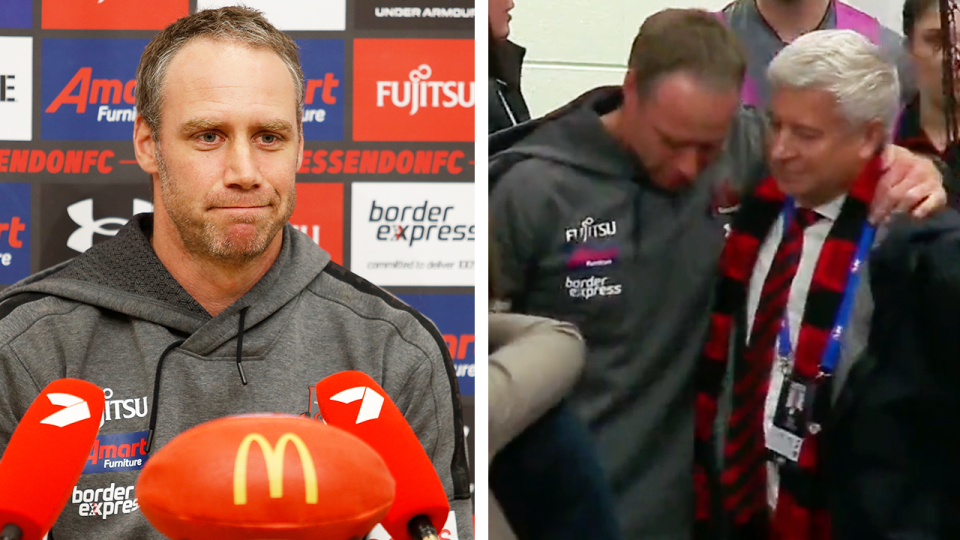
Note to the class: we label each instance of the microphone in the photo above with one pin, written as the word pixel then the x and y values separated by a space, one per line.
pixel 421 504
pixel 58 431
pixel 265 476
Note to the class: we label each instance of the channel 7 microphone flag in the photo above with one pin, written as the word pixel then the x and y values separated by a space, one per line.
pixel 265 476
pixel 353 401
pixel 46 455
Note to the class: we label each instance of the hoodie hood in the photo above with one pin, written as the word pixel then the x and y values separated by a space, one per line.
pixel 125 275
pixel 574 136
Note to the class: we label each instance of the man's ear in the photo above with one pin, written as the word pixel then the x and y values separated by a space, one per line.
pixel 875 137
pixel 144 146
pixel 300 151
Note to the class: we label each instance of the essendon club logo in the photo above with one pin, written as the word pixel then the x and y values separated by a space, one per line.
pixel 88 88
pixel 112 14
pixel 413 90
pixel 274 457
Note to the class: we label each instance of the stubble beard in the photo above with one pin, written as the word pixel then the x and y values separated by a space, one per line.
pixel 204 238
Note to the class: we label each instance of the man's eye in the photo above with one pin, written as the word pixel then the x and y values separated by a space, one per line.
pixel 269 139
pixel 209 137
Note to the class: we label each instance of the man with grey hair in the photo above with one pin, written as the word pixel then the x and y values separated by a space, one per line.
pixel 213 305
pixel 794 304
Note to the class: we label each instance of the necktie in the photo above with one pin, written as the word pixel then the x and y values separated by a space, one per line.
pixel 744 476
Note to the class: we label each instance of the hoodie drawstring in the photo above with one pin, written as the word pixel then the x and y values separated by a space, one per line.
pixel 156 380
pixel 156 394
pixel 243 316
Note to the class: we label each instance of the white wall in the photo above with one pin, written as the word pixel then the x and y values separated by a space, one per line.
pixel 575 45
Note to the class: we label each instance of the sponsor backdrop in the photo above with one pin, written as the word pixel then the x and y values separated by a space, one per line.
pixel 386 185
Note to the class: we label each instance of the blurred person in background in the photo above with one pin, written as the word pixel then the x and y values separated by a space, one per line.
pixel 545 476
pixel 922 127
pixel 765 27
pixel 610 214
pixel 507 106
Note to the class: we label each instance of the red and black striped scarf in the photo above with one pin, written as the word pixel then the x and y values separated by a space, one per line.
pixel 800 512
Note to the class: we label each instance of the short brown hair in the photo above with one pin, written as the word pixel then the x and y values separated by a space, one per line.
pixel 691 40
pixel 236 24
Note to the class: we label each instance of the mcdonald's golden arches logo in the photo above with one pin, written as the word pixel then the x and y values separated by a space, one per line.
pixel 274 460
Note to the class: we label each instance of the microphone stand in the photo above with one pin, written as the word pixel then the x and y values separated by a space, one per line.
pixel 420 528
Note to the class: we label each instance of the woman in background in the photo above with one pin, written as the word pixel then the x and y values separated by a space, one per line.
pixel 507 107
pixel 922 125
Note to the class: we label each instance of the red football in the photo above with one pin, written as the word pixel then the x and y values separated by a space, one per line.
pixel 265 476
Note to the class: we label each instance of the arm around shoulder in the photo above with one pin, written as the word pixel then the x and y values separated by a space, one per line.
pixel 533 363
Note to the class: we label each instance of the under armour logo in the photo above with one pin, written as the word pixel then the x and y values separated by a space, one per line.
pixel 75 410
pixel 82 214
pixel 369 407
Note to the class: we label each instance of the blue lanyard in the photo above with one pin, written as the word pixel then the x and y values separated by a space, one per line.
pixel 831 353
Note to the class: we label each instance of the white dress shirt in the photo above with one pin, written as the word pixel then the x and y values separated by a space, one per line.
pixel 814 237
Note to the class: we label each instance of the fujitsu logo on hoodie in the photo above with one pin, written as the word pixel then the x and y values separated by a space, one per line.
pixel 590 229
pixel 123 409
pixel 419 92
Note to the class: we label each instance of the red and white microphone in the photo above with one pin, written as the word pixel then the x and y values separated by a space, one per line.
pixel 354 402
pixel 45 457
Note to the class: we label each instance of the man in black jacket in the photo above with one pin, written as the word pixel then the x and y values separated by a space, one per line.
pixel 894 450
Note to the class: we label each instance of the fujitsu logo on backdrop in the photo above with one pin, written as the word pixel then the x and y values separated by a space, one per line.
pixel 420 92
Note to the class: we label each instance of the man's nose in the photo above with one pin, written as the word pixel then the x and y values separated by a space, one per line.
pixel 242 170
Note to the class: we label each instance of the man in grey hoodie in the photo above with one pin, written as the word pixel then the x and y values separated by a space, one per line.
pixel 610 214
pixel 213 305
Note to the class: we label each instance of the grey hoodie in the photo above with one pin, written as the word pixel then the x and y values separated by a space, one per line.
pixel 584 237
pixel 109 315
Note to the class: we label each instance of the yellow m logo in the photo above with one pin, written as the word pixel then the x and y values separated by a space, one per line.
pixel 274 460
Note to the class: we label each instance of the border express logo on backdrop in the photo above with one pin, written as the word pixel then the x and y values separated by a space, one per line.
pixel 414 15
pixel 75 217
pixel 16 88
pixel 293 14
pixel 319 215
pixel 453 315
pixel 413 234
pixel 16 14
pixel 112 14
pixel 14 232
pixel 323 62
pixel 413 90
pixel 88 88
